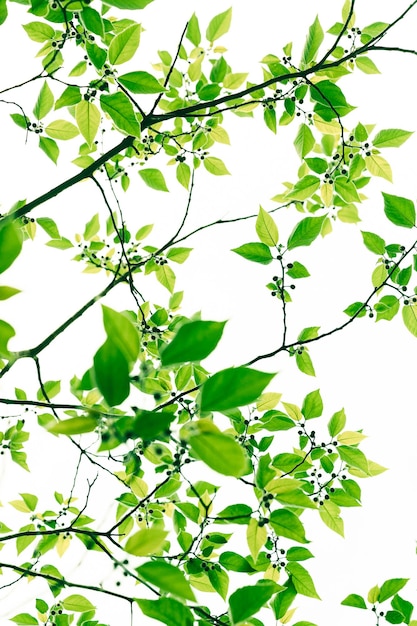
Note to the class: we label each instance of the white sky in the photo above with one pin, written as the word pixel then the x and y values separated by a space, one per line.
pixel 368 369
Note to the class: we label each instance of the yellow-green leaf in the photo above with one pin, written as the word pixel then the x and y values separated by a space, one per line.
pixel 124 45
pixel 88 118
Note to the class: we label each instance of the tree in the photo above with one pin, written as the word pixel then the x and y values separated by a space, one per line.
pixel 142 415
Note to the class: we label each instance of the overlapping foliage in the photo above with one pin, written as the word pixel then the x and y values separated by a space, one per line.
pixel 167 533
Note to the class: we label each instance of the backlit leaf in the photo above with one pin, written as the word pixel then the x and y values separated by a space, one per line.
pixel 167 577
pixel 266 228
pixel 124 45
pixel 257 252
pixel 286 524
pixel 305 232
pixel 10 244
pixel 302 580
pixel 141 82
pixel 233 387
pixel 219 25
pixel 247 601
pixel 400 211
pixel 88 118
pixel 153 178
pixel 193 342
pixel 146 542
pixel 120 109
pixel 220 452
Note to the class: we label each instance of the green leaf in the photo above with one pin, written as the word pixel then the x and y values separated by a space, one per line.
pixel 124 45
pixel 270 118
pixel 145 542
pixel 166 277
pixel 233 387
pixel 394 617
pixel 120 109
pixel 8 292
pixel 366 65
pixel 215 166
pixel 6 333
pixel 391 138
pixel 402 606
pixel 234 80
pixel 193 342
pixel 70 95
pixel 311 332
pixel 352 309
pixel 147 424
pixel 235 562
pixel 257 252
pixel 220 452
pixel 51 388
pixel 20 120
pixel 219 25
pixel 50 148
pixel 312 405
pixel 3 11
pixel 304 363
pixel 77 603
pixel 193 30
pixel 373 242
pixel 305 232
pixel 304 188
pixel 298 270
pixel 391 587
pixel 346 189
pixel 317 165
pixel 121 331
pixel 44 103
pixel 304 141
pixel 96 55
pixel 337 423
pixel 10 244
pixel 302 580
pixel 39 31
pixel 61 129
pixel 79 69
pixel 141 82
pixel 330 514
pixel 24 619
pixel 220 581
pixel 247 601
pixel 74 425
pixel 88 119
pixel 60 244
pixel 178 255
pixel 387 308
pixel 354 600
pixel 92 227
pixel 330 100
pixel 266 228
pixel 314 39
pixel 409 314
pixel 286 524
pixel 111 371
pixel 298 554
pixel 400 211
pixel 49 226
pixel 353 457
pixel 167 610
pixel 154 179
pixel 234 514
pixel 167 577
pixel 183 174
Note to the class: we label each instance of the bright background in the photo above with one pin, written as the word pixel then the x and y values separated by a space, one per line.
pixel 368 368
